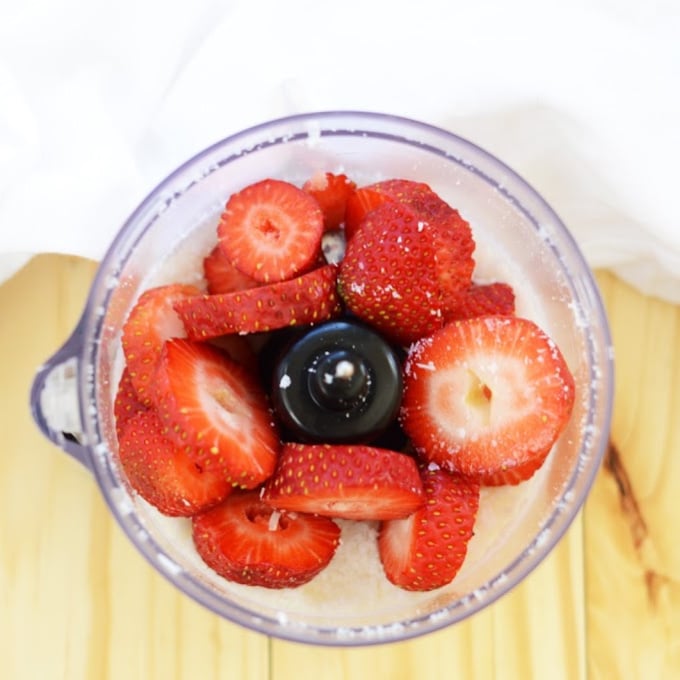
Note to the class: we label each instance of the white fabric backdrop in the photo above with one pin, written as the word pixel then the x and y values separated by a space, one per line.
pixel 100 100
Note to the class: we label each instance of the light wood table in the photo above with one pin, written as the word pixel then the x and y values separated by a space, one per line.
pixel 78 602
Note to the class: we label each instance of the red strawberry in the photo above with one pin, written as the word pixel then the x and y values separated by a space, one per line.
pixel 353 482
pixel 246 541
pixel 306 299
pixel 126 403
pixel 366 198
pixel 150 323
pixel 479 299
pixel 359 204
pixel 213 405
pixel 271 230
pixel 391 274
pixel 416 195
pixel 486 397
pixel 331 192
pixel 222 276
pixel 426 550
pixel 163 474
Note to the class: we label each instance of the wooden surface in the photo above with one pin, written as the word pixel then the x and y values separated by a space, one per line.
pixel 78 602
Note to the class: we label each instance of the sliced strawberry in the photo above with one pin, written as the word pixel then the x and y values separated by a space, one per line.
pixel 246 541
pixel 164 474
pixel 222 276
pixel 150 323
pixel 359 204
pixel 127 403
pixel 353 482
pixel 271 230
pixel 426 550
pixel 479 299
pixel 331 192
pixel 307 299
pixel 216 407
pixel 486 397
pixel 391 274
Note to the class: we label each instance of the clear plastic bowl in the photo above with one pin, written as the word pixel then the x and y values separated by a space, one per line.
pixel 72 396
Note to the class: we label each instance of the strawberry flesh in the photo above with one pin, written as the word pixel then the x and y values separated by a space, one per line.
pixel 216 407
pixel 426 550
pixel 307 299
pixel 480 299
pixel 221 275
pixel 486 397
pixel 246 541
pixel 352 482
pixel 164 474
pixel 331 192
pixel 150 323
pixel 271 230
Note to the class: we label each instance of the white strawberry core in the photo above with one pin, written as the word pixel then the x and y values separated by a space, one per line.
pixel 471 397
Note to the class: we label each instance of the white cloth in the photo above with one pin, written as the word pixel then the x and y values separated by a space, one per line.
pixel 100 100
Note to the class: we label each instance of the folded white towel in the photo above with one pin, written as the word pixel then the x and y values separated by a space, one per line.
pixel 99 102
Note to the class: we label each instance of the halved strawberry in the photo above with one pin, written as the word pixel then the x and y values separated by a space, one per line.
pixel 426 550
pixel 331 192
pixel 150 323
pixel 222 276
pixel 353 482
pixel 271 230
pixel 307 299
pixel 127 403
pixel 392 277
pixel 216 407
pixel 246 541
pixel 479 299
pixel 164 474
pixel 486 397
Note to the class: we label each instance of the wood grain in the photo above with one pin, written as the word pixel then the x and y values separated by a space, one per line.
pixel 78 602
pixel 632 517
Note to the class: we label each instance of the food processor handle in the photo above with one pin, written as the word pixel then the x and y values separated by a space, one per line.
pixel 55 404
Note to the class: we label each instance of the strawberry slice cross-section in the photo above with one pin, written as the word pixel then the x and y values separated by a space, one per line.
pixel 214 406
pixel 271 230
pixel 487 397
pixel 307 299
pixel 246 541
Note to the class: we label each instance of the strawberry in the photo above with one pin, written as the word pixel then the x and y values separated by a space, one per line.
pixel 486 397
pixel 126 403
pixel 151 321
pixel 306 299
pixel 417 195
pixel 222 276
pixel 271 230
pixel 391 274
pixel 216 407
pixel 359 204
pixel 331 192
pixel 164 474
pixel 246 541
pixel 352 482
pixel 426 550
pixel 479 299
